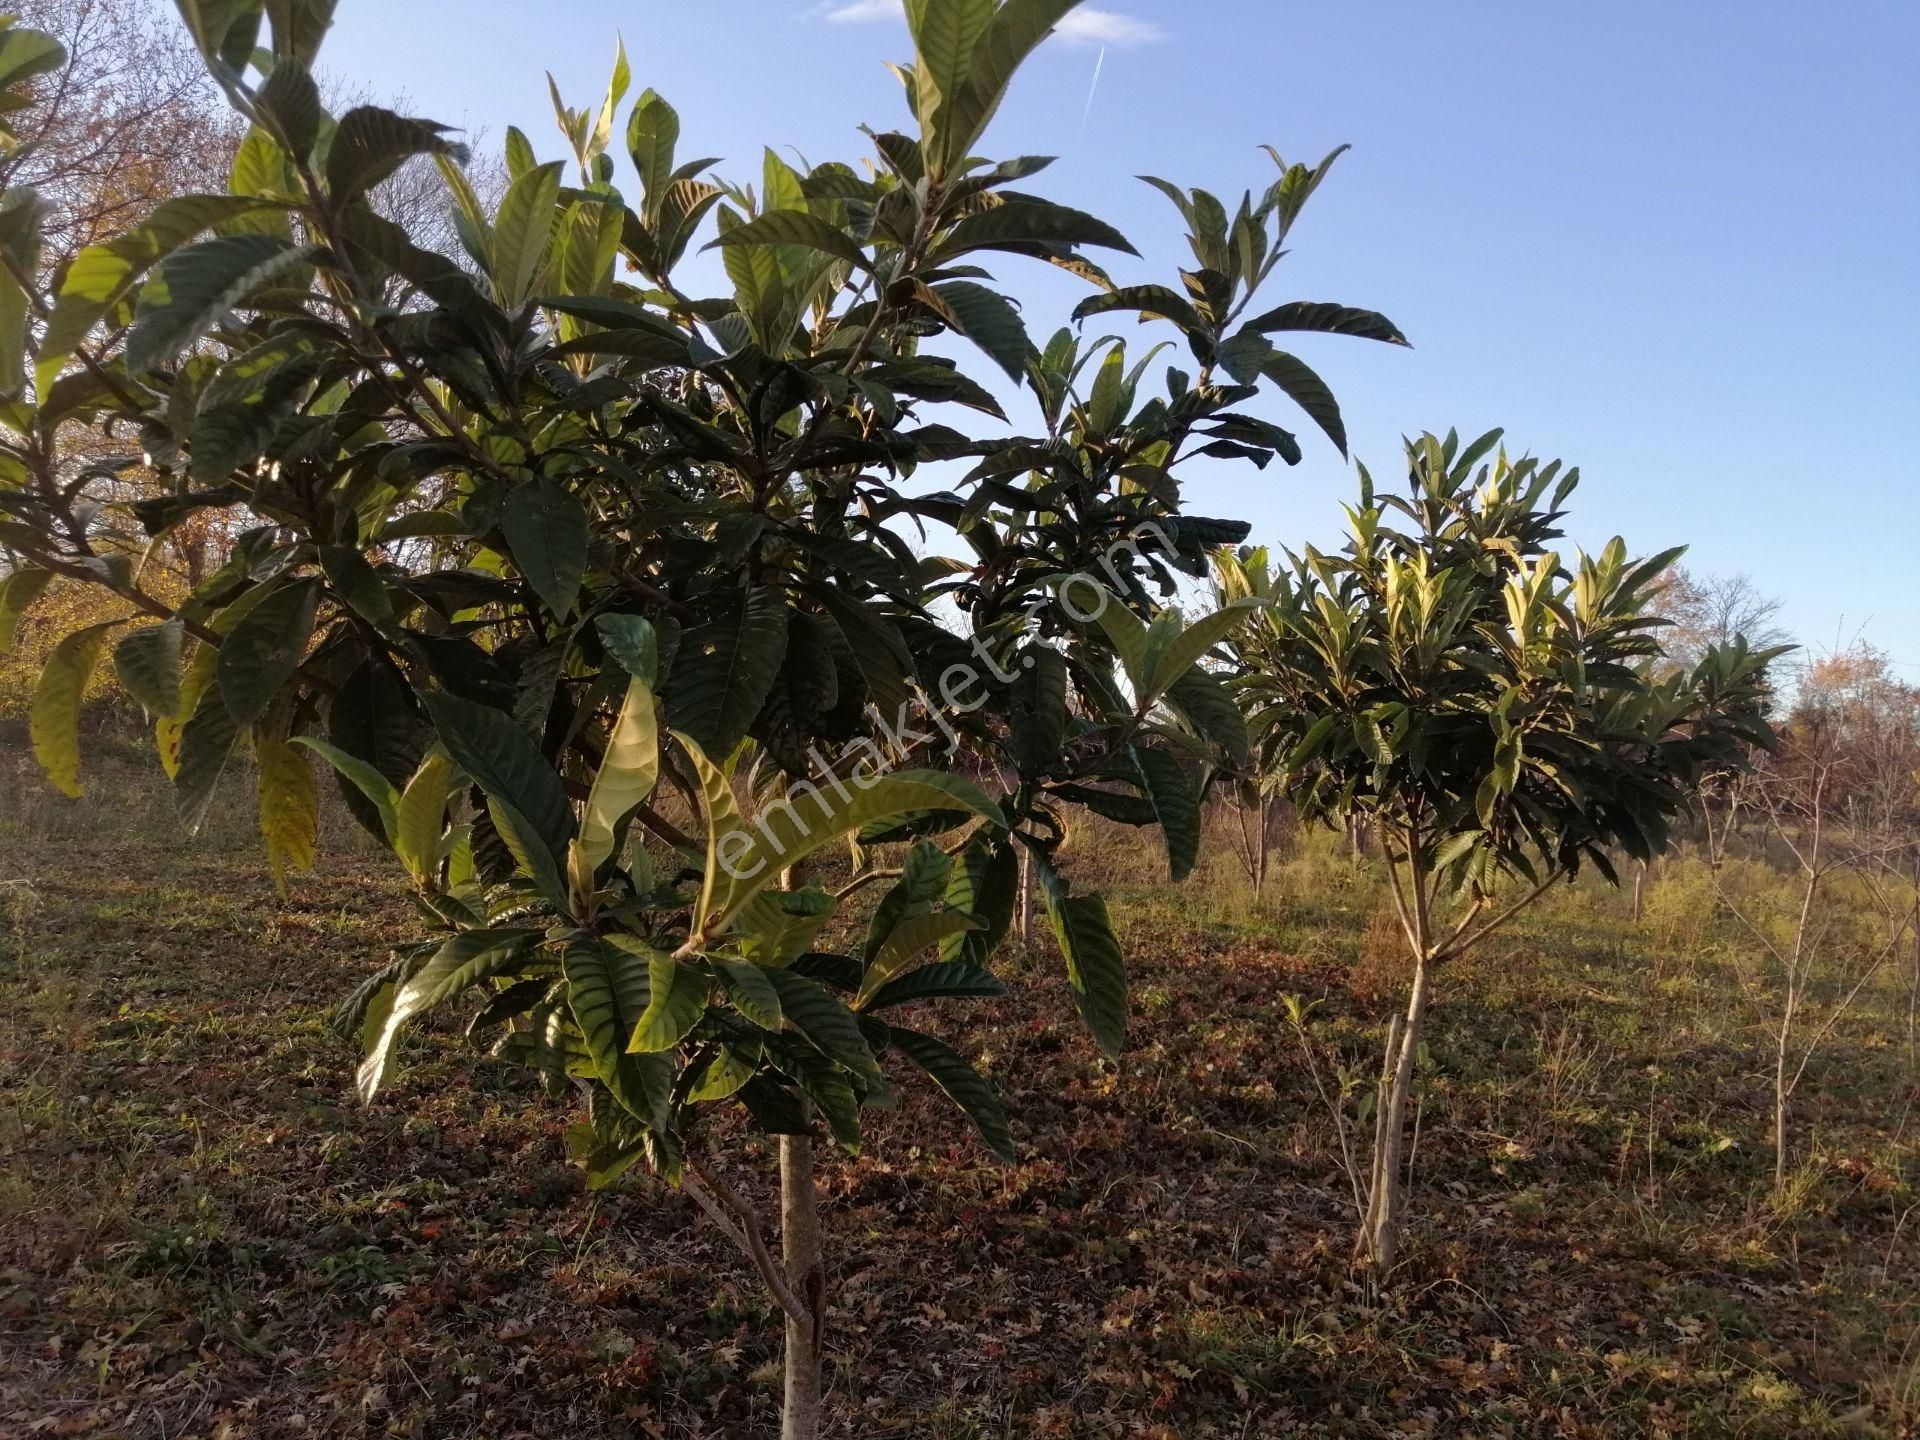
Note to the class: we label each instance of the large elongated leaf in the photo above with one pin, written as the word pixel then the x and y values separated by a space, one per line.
pixel 547 530
pixel 1018 26
pixel 1152 301
pixel 523 232
pixel 907 942
pixel 726 669
pixel 101 275
pixel 53 720
pixel 289 808
pixel 1185 650
pixel 207 742
pixel 193 289
pixel 677 996
pixel 796 227
pixel 826 1022
pixel 813 817
pixel 626 776
pixel 989 319
pixel 1307 390
pixel 1038 715
pixel 17 594
pixel 419 815
pixel 147 664
pixel 264 650
pixel 365 779
pixel 609 991
pixel 985 884
pixel 1176 805
pixel 1326 318
pixel 504 762
pixel 462 962
pixel 652 132
pixel 1030 221
pixel 751 992
pixel 950 979
pixel 1095 968
pixel 370 144
pixel 964 1085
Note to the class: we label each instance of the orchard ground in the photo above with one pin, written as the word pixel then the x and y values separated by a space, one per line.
pixel 203 1235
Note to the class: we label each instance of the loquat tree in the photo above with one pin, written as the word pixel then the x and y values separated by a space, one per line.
pixel 1497 717
pixel 600 594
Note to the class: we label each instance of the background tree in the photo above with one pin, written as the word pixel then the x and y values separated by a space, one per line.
pixel 1708 610
pixel 599 596
pixel 1491 712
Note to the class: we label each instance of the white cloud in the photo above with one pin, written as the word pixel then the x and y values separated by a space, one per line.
pixel 860 11
pixel 1085 26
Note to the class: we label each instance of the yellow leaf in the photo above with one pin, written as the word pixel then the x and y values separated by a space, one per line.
pixel 626 776
pixel 289 808
pixel 54 721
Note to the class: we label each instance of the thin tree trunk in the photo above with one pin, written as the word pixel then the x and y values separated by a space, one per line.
pixel 1639 884
pixel 1379 1240
pixel 1260 861
pixel 800 1254
pixel 1023 911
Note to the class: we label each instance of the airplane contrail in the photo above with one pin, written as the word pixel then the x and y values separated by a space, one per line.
pixel 1099 60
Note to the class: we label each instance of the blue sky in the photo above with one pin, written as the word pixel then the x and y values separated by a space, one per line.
pixel 1673 244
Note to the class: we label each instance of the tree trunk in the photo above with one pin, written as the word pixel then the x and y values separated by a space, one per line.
pixel 1023 910
pixel 1260 848
pixel 1379 1239
pixel 800 1254
pixel 1639 883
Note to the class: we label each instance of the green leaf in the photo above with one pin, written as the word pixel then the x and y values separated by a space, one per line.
pixel 462 962
pixel 207 742
pixel 298 28
pixel 420 815
pixel 367 780
pixel 1152 301
pixel 964 1085
pixel 985 884
pixel 1200 696
pixel 786 834
pixel 1325 318
pixel 101 275
pixel 53 719
pixel 25 53
pixel 358 583
pixel 827 1023
pixel 796 227
pixel 1310 393
pixel 370 143
pixel 990 320
pixel 908 940
pixel 950 979
pixel 726 669
pixel 751 992
pixel 609 990
pixel 523 231
pixel 195 288
pixel 631 641
pixel 1176 805
pixel 652 132
pixel 547 530
pixel 1121 626
pixel 1028 221
pixel 626 776
pixel 288 103
pixel 147 664
pixel 677 997
pixel 1187 648
pixel 265 649
pixel 1095 968
pixel 1018 26
pixel 17 593
pixel 1037 714
pixel 504 762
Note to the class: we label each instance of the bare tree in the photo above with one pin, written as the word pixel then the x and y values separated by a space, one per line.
pixel 1708 610
pixel 129 120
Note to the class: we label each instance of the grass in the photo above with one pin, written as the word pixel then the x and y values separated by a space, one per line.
pixel 202 1235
